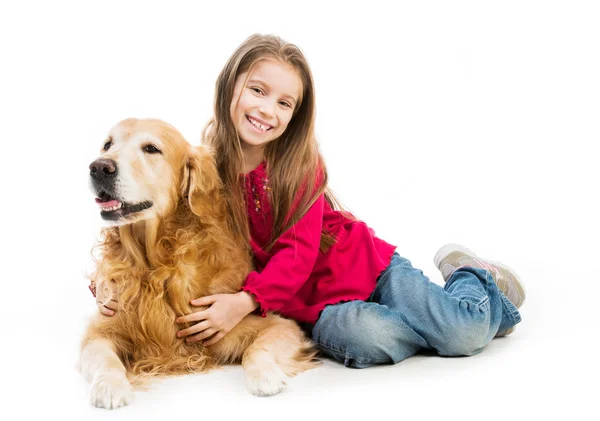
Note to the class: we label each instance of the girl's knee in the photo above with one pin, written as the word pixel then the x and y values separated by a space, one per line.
pixel 368 339
pixel 465 341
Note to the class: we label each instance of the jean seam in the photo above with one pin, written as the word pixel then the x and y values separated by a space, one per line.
pixel 515 316
pixel 485 301
pixel 346 354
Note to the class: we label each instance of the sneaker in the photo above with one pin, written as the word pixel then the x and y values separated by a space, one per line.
pixel 452 256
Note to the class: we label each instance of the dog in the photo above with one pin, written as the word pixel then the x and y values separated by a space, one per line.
pixel 168 241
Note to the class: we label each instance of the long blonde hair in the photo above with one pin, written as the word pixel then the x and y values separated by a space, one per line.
pixel 294 163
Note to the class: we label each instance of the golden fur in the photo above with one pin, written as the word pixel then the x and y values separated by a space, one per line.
pixel 180 248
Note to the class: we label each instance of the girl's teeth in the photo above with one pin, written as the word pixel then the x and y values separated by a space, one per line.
pixel 258 125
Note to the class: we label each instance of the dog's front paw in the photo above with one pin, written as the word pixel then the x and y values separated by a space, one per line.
pixel 111 391
pixel 266 381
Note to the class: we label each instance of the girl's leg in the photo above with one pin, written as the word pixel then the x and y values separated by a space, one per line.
pixel 459 319
pixel 407 313
pixel 453 256
pixel 362 334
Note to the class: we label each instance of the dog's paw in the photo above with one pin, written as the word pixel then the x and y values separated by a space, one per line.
pixel 265 382
pixel 111 391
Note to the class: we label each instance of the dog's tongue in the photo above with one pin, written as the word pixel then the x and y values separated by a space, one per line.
pixel 108 204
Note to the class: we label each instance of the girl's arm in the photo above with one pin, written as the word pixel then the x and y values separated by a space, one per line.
pixel 294 257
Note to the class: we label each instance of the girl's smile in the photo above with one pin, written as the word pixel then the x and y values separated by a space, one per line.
pixel 259 125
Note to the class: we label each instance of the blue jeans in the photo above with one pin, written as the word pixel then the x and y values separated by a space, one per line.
pixel 407 313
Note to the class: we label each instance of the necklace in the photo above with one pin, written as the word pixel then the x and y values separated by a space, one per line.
pixel 265 187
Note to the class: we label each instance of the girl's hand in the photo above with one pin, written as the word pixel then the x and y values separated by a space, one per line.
pixel 107 297
pixel 224 313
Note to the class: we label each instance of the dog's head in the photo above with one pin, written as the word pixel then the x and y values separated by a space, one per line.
pixel 145 168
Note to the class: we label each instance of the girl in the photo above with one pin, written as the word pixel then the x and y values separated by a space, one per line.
pixel 317 264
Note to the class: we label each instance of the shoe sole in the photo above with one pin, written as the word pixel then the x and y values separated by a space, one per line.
pixel 449 248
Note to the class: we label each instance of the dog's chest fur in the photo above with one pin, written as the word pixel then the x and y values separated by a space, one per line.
pixel 153 299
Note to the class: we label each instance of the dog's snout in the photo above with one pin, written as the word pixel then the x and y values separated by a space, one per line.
pixel 102 169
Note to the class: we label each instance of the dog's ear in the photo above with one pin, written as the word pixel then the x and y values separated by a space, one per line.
pixel 201 183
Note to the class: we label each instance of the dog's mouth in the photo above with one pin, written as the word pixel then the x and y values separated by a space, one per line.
pixel 112 209
pixel 107 202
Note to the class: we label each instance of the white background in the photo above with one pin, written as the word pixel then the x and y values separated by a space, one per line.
pixel 470 122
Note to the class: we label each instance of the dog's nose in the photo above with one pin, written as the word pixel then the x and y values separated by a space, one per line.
pixel 102 169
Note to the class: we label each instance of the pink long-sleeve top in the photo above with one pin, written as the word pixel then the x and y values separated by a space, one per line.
pixel 294 278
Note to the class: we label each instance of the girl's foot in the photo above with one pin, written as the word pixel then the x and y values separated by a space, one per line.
pixel 452 256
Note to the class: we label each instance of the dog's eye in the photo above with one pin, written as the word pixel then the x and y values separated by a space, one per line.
pixel 151 149
pixel 107 145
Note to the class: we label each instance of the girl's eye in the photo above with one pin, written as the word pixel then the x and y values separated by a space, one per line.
pixel 286 104
pixel 107 145
pixel 151 149
pixel 257 90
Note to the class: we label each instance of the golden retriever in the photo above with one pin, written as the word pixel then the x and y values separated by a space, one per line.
pixel 170 242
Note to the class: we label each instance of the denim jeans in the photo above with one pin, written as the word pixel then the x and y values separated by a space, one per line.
pixel 407 313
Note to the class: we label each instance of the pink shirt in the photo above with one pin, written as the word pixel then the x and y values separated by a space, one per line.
pixel 294 278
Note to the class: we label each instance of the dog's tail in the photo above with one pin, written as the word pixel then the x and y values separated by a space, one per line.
pixel 305 359
pixel 283 340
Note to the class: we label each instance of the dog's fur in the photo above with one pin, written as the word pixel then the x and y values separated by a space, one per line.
pixel 170 242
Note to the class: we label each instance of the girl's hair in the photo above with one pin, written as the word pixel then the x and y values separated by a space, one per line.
pixel 293 161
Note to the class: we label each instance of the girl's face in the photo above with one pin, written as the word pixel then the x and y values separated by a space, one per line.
pixel 262 109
